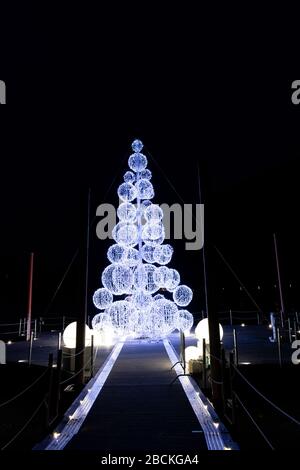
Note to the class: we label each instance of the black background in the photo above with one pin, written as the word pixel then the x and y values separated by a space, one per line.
pixel 198 90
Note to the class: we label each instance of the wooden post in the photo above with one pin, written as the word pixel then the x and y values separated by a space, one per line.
pixel 29 297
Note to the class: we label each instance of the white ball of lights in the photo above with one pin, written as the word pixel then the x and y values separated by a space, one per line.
pixel 202 331
pixel 129 177
pixel 163 254
pixel 137 162
pixel 185 320
pixel 139 237
pixel 69 335
pixel 117 253
pixel 127 192
pixel 102 298
pixel 182 295
pixel 125 234
pixel 144 189
pixel 126 212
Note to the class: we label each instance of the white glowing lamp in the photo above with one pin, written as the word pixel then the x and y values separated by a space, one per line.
pixel 69 335
pixel 192 353
pixel 202 331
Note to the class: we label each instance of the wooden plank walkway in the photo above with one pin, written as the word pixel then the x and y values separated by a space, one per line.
pixel 138 410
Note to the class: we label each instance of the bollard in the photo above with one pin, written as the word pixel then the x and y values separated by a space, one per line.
pixel 279 347
pixel 230 316
pixel 20 327
pixel 204 363
pixel 63 323
pixel 30 348
pixel 235 346
pixel 295 329
pixel 40 324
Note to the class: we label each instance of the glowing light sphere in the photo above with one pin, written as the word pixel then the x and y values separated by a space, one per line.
pixel 144 204
pixel 125 234
pixel 69 335
pixel 100 321
pixel 132 257
pixel 173 281
pixel 117 253
pixel 153 213
pixel 163 254
pixel 123 316
pixel 153 232
pixel 129 177
pixel 151 285
pixel 147 253
pixel 144 189
pixel 202 331
pixel 182 295
pixel 137 145
pixel 140 277
pixel 127 212
pixel 108 280
pixel 137 162
pixel 122 278
pixel 185 320
pixel 146 174
pixel 192 353
pixel 167 311
pixel 127 192
pixel 102 298
pixel 142 299
pixel 162 275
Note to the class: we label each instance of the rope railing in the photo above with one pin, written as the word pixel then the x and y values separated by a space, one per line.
pixel 79 371
pixel 24 391
pixel 265 398
pixel 25 425
pixel 253 421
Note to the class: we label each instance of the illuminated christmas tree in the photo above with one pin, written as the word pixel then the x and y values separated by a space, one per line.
pixel 138 273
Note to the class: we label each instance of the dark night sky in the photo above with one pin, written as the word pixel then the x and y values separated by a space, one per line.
pixel 86 85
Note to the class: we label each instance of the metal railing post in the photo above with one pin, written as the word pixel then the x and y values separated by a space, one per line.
pixel 30 347
pixel 204 363
pixel 235 345
pixel 92 355
pixel 279 347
